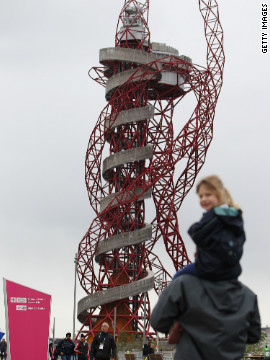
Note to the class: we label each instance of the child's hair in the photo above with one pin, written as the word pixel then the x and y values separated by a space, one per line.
pixel 214 184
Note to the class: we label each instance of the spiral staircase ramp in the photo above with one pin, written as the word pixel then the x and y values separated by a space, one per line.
pixel 125 239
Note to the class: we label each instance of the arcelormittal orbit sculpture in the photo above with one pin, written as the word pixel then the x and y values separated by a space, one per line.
pixel 143 83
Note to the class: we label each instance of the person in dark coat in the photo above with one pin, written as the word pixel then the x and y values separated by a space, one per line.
pixel 103 346
pixel 51 350
pixel 148 349
pixel 82 349
pixel 65 347
pixel 3 349
pixel 218 318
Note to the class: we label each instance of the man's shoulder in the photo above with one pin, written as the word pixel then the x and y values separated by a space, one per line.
pixel 184 283
pixel 246 289
pixel 185 280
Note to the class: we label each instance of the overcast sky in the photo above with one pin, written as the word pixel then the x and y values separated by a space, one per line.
pixel 49 107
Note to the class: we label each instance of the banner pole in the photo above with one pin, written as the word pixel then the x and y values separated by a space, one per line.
pixel 74 307
pixel 53 332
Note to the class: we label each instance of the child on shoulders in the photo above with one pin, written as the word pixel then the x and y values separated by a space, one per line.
pixel 219 235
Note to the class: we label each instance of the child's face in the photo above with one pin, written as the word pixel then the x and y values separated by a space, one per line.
pixel 208 199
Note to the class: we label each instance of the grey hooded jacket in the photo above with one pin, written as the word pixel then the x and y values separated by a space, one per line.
pixel 218 318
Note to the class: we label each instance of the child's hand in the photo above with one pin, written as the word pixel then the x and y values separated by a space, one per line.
pixel 175 333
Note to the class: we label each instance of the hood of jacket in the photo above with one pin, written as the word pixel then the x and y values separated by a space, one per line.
pixel 229 217
pixel 225 296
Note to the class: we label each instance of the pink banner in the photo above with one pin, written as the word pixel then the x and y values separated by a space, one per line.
pixel 28 321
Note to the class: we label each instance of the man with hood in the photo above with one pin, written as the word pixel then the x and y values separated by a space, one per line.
pixel 218 317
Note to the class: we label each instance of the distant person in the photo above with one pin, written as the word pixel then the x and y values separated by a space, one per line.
pixel 65 347
pixel 103 346
pixel 51 350
pixel 148 349
pixel 219 235
pixel 215 314
pixel 82 349
pixel 3 349
pixel 55 354
pixel 267 352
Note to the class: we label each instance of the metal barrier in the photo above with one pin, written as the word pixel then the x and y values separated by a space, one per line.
pixel 137 355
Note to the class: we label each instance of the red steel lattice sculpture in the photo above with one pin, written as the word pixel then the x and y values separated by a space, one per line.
pixel 143 83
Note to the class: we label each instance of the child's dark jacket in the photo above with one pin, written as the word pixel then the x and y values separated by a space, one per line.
pixel 219 237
